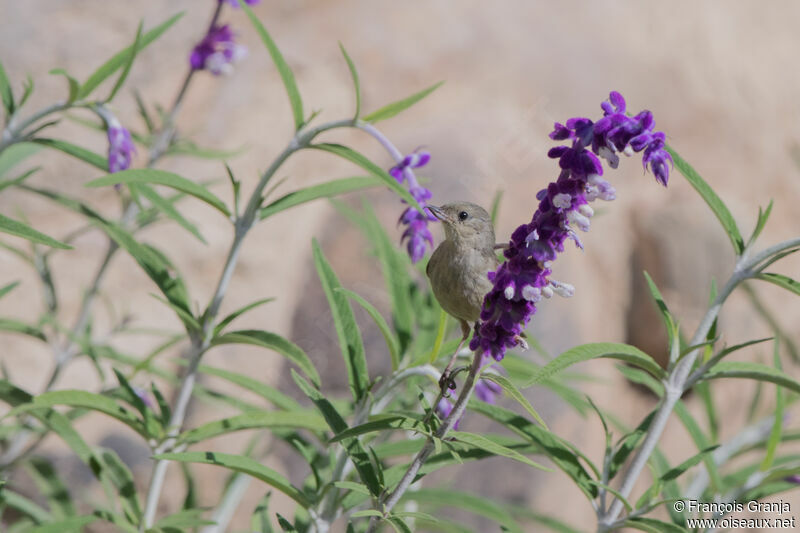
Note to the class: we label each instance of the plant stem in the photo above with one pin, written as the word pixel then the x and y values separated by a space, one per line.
pixel 387 504
pixel 676 383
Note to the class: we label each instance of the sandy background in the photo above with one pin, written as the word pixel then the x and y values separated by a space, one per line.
pixel 718 76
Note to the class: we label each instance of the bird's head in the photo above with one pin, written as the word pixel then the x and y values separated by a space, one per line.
pixel 466 224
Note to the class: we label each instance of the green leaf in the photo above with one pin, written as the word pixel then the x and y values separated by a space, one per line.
pixel 623 352
pixel 8 288
pixel 354 449
pixel 323 190
pixel 700 440
pixel 350 342
pixel 716 204
pixel 6 93
pixel 390 110
pixel 354 75
pixel 50 486
pixel 85 400
pixel 382 422
pixel 72 83
pixel 661 304
pixel 236 314
pixel 244 465
pixel 123 56
pixel 121 478
pixel 271 341
pixel 68 525
pixel 258 420
pixel 654 526
pixel 286 526
pixel 760 223
pixel 777 425
pixel 184 520
pixel 161 177
pixel 395 267
pixel 15 326
pixel 87 156
pixel 259 522
pixel 372 168
pixel 134 49
pixel 20 503
pixel 554 447
pixel 627 444
pixel 738 369
pixel 271 394
pixel 19 179
pixel 781 281
pixel 479 441
pixel 15 154
pixel 687 464
pixel 167 207
pixel 283 68
pixel 515 393
pixel 185 316
pixel 18 229
pixel 388 336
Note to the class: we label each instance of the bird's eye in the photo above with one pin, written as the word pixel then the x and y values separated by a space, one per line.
pixel 463 215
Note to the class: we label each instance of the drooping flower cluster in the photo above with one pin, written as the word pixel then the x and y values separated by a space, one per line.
pixel 120 145
pixel 417 231
pixel 524 278
pixel 217 51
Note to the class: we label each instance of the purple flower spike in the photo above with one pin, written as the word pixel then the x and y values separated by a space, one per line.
pixel 524 278
pixel 217 51
pixel 417 231
pixel 120 146
pixel 234 3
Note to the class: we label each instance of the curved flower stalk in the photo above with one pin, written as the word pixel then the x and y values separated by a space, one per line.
pixel 524 279
pixel 417 231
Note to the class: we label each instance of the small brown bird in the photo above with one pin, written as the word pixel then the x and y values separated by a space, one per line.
pixel 458 267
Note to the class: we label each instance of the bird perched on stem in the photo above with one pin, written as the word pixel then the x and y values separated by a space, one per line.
pixel 458 267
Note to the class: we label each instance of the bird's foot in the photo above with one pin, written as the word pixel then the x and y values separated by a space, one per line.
pixel 521 341
pixel 446 382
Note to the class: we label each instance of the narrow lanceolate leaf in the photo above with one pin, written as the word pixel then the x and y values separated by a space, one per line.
pixel 515 393
pixel 161 177
pixel 388 336
pixel 739 369
pixel 701 441
pixel 12 227
pixel 555 448
pixel 623 352
pixel 6 94
pixel 323 190
pixel 777 425
pixel 167 207
pixel 361 460
pixel 50 486
pixel 86 400
pixel 87 156
pixel 716 204
pixel 383 422
pixel 72 83
pixel 244 465
pixel 354 75
pixel 134 49
pixel 258 420
pixel 271 394
pixel 472 503
pixel 236 314
pixel 372 168
pixel 763 216
pixel 660 303
pixel 390 110
pixel 350 342
pixel 283 68
pixel 74 523
pixel 275 342
pixel 123 56
pixel 479 441
pixel 687 464
pixel 15 154
pixel 781 281
pixel 8 288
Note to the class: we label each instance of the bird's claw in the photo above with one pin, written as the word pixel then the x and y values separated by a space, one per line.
pixel 521 341
pixel 446 382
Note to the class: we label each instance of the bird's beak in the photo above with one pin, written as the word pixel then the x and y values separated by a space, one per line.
pixel 439 213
